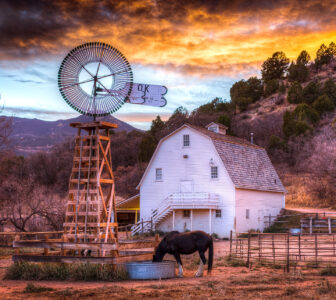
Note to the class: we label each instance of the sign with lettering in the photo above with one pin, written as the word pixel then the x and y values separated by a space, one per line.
pixel 148 94
pixel 145 94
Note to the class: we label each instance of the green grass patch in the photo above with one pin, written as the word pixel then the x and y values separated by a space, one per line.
pixel 56 271
pixel 328 271
pixel 32 288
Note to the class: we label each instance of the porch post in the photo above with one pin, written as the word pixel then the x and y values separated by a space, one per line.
pixel 173 219
pixel 136 216
pixel 191 220
pixel 210 221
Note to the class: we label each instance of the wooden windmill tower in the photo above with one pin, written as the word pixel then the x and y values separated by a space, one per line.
pixel 96 80
pixel 90 210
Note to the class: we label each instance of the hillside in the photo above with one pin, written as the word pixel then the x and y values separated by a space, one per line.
pixel 33 135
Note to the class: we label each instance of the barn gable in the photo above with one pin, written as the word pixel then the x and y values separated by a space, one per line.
pixel 248 165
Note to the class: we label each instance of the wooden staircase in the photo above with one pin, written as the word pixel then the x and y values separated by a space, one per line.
pixel 90 210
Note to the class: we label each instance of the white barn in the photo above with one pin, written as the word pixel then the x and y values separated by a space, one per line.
pixel 203 179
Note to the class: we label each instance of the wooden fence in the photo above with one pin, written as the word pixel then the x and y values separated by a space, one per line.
pixel 7 238
pixel 316 250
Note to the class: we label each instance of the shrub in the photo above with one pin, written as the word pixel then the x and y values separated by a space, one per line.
pixel 225 120
pixel 298 72
pixel 282 89
pixel 295 93
pixel 328 271
pixel 329 89
pixel 301 127
pixel 304 112
pixel 272 87
pixel 294 126
pixel 31 288
pixel 288 126
pixel 323 104
pixel 243 102
pixel 311 92
pixel 276 143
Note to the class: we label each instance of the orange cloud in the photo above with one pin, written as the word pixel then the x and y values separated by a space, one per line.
pixel 203 38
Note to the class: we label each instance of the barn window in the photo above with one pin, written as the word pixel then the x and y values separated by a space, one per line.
pixel 214 172
pixel 247 213
pixel 158 174
pixel 218 213
pixel 186 213
pixel 186 140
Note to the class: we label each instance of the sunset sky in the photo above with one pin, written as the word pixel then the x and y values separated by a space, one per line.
pixel 198 49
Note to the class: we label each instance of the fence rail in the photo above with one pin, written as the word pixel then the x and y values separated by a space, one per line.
pixel 7 238
pixel 317 250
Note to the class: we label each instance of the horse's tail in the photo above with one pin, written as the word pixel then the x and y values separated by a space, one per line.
pixel 210 259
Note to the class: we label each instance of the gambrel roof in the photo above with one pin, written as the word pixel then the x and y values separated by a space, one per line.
pixel 248 165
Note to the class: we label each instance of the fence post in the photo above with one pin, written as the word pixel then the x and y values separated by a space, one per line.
pixel 127 231
pixel 329 225
pixel 230 243
pixel 45 251
pixel 273 249
pixel 311 226
pixel 287 267
pixel 316 249
pixel 259 246
pixel 142 229
pixel 299 240
pixel 269 220
pixel 248 250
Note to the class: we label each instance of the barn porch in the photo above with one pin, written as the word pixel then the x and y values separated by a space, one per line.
pixel 179 202
pixel 128 210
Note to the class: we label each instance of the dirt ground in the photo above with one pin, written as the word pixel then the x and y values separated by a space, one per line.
pixel 225 282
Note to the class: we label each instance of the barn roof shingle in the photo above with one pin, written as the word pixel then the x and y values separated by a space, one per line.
pixel 247 164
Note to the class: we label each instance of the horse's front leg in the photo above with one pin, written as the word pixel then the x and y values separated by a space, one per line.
pixel 199 272
pixel 179 262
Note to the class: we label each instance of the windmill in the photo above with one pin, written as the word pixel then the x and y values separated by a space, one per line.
pixel 96 79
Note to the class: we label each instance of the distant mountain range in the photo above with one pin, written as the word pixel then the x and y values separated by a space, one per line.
pixel 33 135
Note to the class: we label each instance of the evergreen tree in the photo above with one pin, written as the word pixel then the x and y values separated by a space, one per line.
pixel 295 93
pixel 272 86
pixel 323 104
pixel 274 67
pixel 323 55
pixel 254 88
pixel 329 89
pixel 303 58
pixel 332 50
pixel 298 72
pixel 311 92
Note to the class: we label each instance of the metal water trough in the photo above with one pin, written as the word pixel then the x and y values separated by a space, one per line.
pixel 150 270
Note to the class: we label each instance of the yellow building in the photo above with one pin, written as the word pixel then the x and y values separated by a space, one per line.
pixel 128 210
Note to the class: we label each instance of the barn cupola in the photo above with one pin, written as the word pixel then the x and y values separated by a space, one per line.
pixel 217 128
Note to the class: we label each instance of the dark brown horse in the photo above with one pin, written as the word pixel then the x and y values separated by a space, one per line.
pixel 177 243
